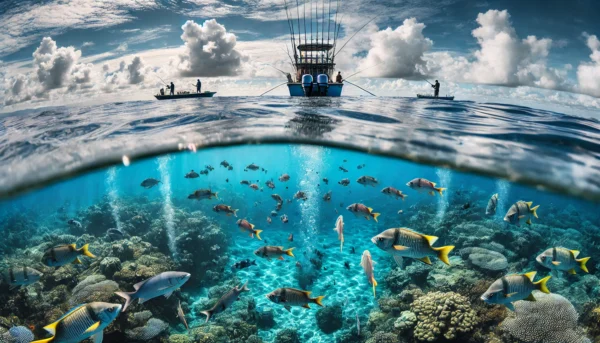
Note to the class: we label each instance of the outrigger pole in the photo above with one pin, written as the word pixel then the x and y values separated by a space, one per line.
pixel 348 41
pixel 285 83
pixel 359 87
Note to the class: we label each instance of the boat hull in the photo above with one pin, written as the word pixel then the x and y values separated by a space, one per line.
pixel 421 96
pixel 185 96
pixel 334 89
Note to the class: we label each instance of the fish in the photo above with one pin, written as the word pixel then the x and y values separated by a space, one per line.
pixel 245 225
pixel 366 262
pixel 339 228
pixel 284 178
pixel 227 180
pixel 367 180
pixel 510 288
pixel 181 316
pixel 347 265
pixel 81 323
pixel 562 259
pixel 357 325
pixel 191 175
pixel 20 276
pixel 204 172
pixel 222 208
pixel 344 182
pixel 274 214
pixel 284 218
pixel 327 196
pixel 291 237
pixel 149 183
pixel 400 211
pixel 269 220
pixel 270 184
pixel 203 194
pixel 490 210
pixel 403 242
pixel 209 167
pixel 277 198
pixel 269 252
pixel 245 182
pixel 74 223
pixel 225 164
pixel 253 167
pixel 243 264
pixel 425 186
pixel 367 212
pixel 162 284
pixel 254 186
pixel 289 297
pixel 225 301
pixel 230 168
pixel 300 195
pixel 343 169
pixel 64 254
pixel 326 180
pixel 519 210
pixel 115 234
pixel 298 264
pixel 391 191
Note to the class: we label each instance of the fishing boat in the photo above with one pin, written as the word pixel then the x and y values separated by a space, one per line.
pixel 313 33
pixel 185 95
pixel 429 96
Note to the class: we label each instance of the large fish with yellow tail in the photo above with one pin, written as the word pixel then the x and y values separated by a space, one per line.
pixel 425 186
pixel 64 254
pixel 288 297
pixel 81 323
pixel 521 210
pixel 562 259
pixel 511 288
pixel 403 242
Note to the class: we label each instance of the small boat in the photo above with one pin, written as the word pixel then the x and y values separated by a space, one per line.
pixel 186 95
pixel 426 96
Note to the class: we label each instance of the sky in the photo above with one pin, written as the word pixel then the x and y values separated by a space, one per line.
pixel 538 53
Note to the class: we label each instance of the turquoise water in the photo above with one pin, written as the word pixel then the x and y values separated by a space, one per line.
pixel 168 231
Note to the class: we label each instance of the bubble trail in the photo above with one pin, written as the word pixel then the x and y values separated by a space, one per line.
pixel 503 189
pixel 113 197
pixel 169 213
pixel 444 180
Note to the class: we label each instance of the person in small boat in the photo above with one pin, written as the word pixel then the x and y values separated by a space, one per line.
pixel 198 86
pixel 338 78
pixel 436 88
pixel 162 91
pixel 172 88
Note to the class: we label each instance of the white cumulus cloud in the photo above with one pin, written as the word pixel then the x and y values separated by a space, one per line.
pixel 588 74
pixel 209 50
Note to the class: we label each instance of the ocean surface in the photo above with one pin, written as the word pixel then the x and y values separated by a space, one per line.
pixel 74 175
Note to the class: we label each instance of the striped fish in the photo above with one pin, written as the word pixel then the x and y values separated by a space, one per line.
pixel 402 242
pixel 562 259
pixel 289 297
pixel 226 301
pixel 520 210
pixel 511 288
pixel 22 276
pixel 490 210
pixel 64 254
pixel 82 322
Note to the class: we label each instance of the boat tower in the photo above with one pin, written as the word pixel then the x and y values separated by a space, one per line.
pixel 314 30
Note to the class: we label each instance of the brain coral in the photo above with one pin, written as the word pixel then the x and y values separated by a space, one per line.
pixel 484 258
pixel 153 328
pixel 442 314
pixel 549 319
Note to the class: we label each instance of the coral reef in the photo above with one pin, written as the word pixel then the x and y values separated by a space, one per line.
pixel 329 319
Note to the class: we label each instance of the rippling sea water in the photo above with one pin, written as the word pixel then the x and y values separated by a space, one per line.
pixel 67 163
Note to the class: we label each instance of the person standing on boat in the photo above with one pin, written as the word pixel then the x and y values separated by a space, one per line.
pixel 198 86
pixel 436 88
pixel 289 78
pixel 172 88
pixel 338 78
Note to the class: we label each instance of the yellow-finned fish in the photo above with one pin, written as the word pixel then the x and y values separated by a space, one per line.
pixel 65 254
pixel 269 252
pixel 82 322
pixel 246 226
pixel 425 186
pixel 511 288
pixel 563 259
pixel 367 212
pixel 520 210
pixel 367 264
pixel 403 242
pixel 289 297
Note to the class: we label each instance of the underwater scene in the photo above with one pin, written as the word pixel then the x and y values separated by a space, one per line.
pixel 290 243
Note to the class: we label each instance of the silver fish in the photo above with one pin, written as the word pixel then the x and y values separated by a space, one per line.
pixel 425 186
pixel 366 262
pixel 191 175
pixel 225 301
pixel 492 204
pixel 162 284
pixel 519 210
pixel 339 228
pixel 181 316
pixel 367 180
pixel 65 254
pixel 289 297
pixel 562 259
pixel 511 288
pixel 21 276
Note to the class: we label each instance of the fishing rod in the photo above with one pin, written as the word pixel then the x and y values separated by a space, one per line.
pixel 359 87
pixel 348 41
pixel 428 81
pixel 163 81
pixel 285 83
pixel 281 71
pixel 358 72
